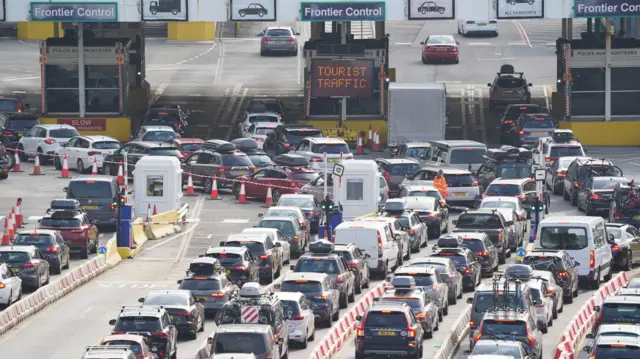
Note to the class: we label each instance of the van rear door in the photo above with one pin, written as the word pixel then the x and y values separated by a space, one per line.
pixel 364 238
pixel 574 238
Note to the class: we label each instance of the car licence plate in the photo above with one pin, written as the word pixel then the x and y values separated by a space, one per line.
pixel 171 317
pixel 0 170
pixel 441 49
pixel 333 160
pixel 459 194
pixel 278 42
pixel 15 270
pixel 201 298
pixel 386 333
pixel 228 271
pixel 482 24
pixel 90 207
pixel 541 133
pixel 19 133
pixel 636 217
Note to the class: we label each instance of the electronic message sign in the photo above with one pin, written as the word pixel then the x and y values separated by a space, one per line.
pixel 342 78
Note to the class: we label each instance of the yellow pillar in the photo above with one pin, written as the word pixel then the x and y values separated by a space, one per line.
pixel 37 30
pixel 191 31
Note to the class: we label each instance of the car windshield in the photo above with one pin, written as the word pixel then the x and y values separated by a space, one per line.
pixel 563 237
pixel 459 180
pixel 255 248
pixel 34 239
pixel 423 280
pixel 425 193
pixel 514 171
pixel 165 136
pixel 617 352
pixel 285 227
pixel 234 343
pixel 106 145
pixel 8 105
pixel 225 258
pixel 200 284
pixel 13 257
pixel 294 136
pixel 426 206
pixel 476 245
pixel 313 265
pixel 561 151
pixel 546 124
pixel 504 327
pixel 416 304
pixel 138 324
pixel 236 160
pixel 60 222
pixel 279 32
pixel 345 254
pixel 264 130
pixel 458 260
pixel 620 313
pixel 290 308
pixel 89 189
pixel 302 286
pixel 490 348
pixel 163 117
pixel 260 160
pixel 543 262
pixel 467 155
pixel 331 148
pixel 511 82
pixel 135 346
pixel 499 204
pixel 190 147
pixel 441 40
pixel 304 176
pixel 607 183
pixel 485 300
pixel 403 169
pixel 404 221
pixel 615 232
pixel 264 107
pixel 385 320
pixel 479 221
pixel 535 294
pixel 164 151
pixel 503 189
pixel 418 152
pixel 263 118
pixel 634 284
pixel 300 202
pixel 168 299
pixel 21 124
pixel 283 213
pixel 64 133
pixel 565 162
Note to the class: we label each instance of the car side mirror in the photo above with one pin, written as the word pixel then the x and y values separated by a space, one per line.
pixel 589 336
pixel 280 340
pixel 467 352
pixel 611 238
pixel 112 322
pixel 537 302
pixel 66 189
pixel 40 220
pixel 367 255
pixel 587 348
pixel 222 243
pixel 140 300
pixel 200 300
pixel 470 300
pixel 292 267
pixel 260 34
pixel 304 228
pixel 509 223
pixel 297 34
pixel 278 244
pixel 596 308
pixel 489 84
pixel 529 84
pixel 397 237
pixel 260 215
pixel 455 222
pixel 422 43
pixel 358 317
pixel 179 281
pixel 209 340
pixel 95 221
pixel 458 43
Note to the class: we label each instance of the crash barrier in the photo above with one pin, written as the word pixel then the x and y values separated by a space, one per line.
pixel 456 335
pixel 139 236
pixel 203 352
pixel 112 256
pixel 374 214
pixel 582 322
pixel 164 224
pixel 23 309
pixel 331 344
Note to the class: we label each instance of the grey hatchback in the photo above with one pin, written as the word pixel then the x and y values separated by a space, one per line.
pixel 279 39
pixel 509 87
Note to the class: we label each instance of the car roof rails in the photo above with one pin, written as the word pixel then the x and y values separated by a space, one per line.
pixel 450 241
pixel 245 144
pixel 156 106
pixel 291 160
pixel 70 205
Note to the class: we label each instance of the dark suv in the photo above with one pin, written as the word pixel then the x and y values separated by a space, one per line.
pixel 14 125
pixel 561 264
pixel 357 262
pixel 579 172
pixel 530 127
pixel 151 322
pixel 508 87
pixel 238 262
pixel 135 150
pixel 166 115
pixel 511 325
pixel 286 137
pixel 489 221
pixel 395 170
pixel 508 132
pixel 207 280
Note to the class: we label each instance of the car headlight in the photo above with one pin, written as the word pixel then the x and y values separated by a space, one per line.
pixel 154 349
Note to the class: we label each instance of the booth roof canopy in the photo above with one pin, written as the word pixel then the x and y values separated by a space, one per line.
pixel 88 42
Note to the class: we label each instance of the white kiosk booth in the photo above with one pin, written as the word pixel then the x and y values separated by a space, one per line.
pixel 356 186
pixel 157 181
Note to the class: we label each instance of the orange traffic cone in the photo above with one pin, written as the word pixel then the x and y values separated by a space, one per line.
pixel 360 148
pixel 190 190
pixel 155 210
pixel 94 169
pixel 13 220
pixel 149 212
pixel 269 200
pixel 36 167
pixel 120 174
pixel 6 239
pixel 242 196
pixel 19 217
pixel 214 188
pixel 370 142
pixel 64 173
pixel 12 232
pixel 376 142
pixel 16 166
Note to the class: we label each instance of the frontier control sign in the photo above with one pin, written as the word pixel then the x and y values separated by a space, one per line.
pixel 342 11
pixel 342 78
pixel 606 8
pixel 74 11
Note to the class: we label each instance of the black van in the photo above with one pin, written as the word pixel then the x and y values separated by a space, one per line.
pixel 96 194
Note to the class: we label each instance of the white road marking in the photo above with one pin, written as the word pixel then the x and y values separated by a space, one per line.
pixel 479 44
pixel 235 221
pixel 10 79
pixel 209 236
pixel 546 95
pixel 522 31
pixel 635 164
pixel 516 43
pixel 449 82
pixel 403 43
pixel 34 218
pixel 1 218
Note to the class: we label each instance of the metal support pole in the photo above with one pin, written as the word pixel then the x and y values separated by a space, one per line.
pixel 326 175
pixel 570 29
pixel 589 25
pixel 564 28
pixel 607 77
pixel 81 80
pixel 343 107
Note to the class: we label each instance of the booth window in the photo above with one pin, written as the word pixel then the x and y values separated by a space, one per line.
pixel 62 88
pixel 355 190
pixel 155 186
pixel 102 92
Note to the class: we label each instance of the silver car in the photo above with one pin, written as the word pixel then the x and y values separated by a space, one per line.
pixel 281 39
pixel 427 279
pixel 300 317
pixel 446 270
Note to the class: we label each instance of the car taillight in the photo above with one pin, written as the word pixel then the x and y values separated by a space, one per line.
pixel 322 297
pixel 286 145
pixel 315 159
pixel 77 231
pixel 532 341
pixel 547 159
pixel 563 274
pixel 340 279
pixel 1 285
pixel 49 141
pixel 615 248
pixel 474 184
pixel 115 332
pixel 560 174
pixel 93 153
pixel 499 237
pixel 182 313
pixel 160 334
pixel 617 215
pixel 412 332
pixel 472 324
pixel 291 40
pixel 524 132
pixel 7 133
pixel 217 295
pixel 477 337
pixel 298 317
pixel 507 122
pixel 296 239
pixel 483 254
pixel 264 256
pixel 470 22
pixel 452 276
pixel 265 40
pixel 360 332
pixel 352 264
pixel 386 175
pixel 242 267
pixel 592 259
pixel 223 169
pixel 421 315
pixel 412 233
pixel 467 270
pixel 595 196
pixel 576 185
pixel 258 139
pixel 52 249
pixel 29 265
pixel 379 244
pixel 493 22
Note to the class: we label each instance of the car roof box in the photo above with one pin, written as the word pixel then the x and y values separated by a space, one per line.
pixel 507 69
pixel 250 289
pixel 395 205
pixel 67 204
pixel 205 265
pixel 496 154
pixel 522 272
pixel 403 282
pixel 510 149
pixel 291 160
pixel 449 242
pixel 245 144
pixel 321 246
pixel 219 146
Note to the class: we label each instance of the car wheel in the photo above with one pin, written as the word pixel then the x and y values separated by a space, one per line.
pixel 629 263
pixel 275 197
pixel 304 344
pixel 313 335
pixel 208 184
pixel 43 158
pixel 85 252
pixel 445 311
pixel 202 320
pixel 236 191
pixel 457 61
pixel 335 316
pixel 440 11
pixel 48 279
pixel 80 167
pixel 565 195
pixel 608 276
pixel 56 163
pixel 453 300
pixel 359 285
pixel 424 60
pixel 343 301
pixel 261 14
pixel 568 299
pixel 57 269
pixel 555 190
pixel 554 313
pixel 352 296
pixel 440 316
pixel 241 13
pixel 22 154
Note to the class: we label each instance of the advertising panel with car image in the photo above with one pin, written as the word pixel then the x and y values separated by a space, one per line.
pixel 431 9
pixel 253 10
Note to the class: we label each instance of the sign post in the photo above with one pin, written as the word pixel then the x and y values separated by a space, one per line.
pixel 567 82
pixel 81 78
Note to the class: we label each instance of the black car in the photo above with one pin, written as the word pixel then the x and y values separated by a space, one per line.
pixel 321 292
pixel 506 162
pixel 396 170
pixel 357 263
pixel 466 263
pixel 489 221
pixel 253 9
pixel 6 162
pixel 151 322
pixel 433 213
pixel 484 249
pixel 28 263
pixel 511 325
pixel 185 311
pixel 579 172
pixel 238 262
pixel 561 264
pixel 135 150
pixel 286 137
pixel 14 125
pixel 209 284
pixel 508 132
pixel 624 241
pixel 388 329
pixel 165 115
pixel 263 249
pixel 51 245
pixel 596 194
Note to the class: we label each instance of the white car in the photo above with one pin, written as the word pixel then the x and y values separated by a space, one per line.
pixel 489 27
pixel 552 150
pixel 543 303
pixel 259 131
pixel 81 150
pixel 156 134
pixel 10 286
pixel 44 141
pixel 252 118
pixel 300 318
pixel 514 203
pixel 276 236
pixel 517 235
pixel 557 293
pixel 314 148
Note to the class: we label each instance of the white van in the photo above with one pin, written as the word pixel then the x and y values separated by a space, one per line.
pixel 585 239
pixel 462 154
pixel 375 240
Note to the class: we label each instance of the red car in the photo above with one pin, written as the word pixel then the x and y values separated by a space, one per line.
pixel 187 146
pixel 77 229
pixel 440 48
pixel 138 344
pixel 282 179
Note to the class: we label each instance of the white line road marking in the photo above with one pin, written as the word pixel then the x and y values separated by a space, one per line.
pixel 403 43
pixel 1 218
pixel 498 58
pixel 34 218
pixel 209 236
pixel 10 79
pixel 235 221
pixel 449 82
pixel 551 44
pixel 522 31
pixel 546 95
pixel 479 44
pixel 518 43
pixel 635 164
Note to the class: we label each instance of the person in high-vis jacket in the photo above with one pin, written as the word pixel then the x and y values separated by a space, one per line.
pixel 440 183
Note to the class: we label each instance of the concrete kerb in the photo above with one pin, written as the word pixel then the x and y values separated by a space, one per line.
pixel 50 293
pixel 454 338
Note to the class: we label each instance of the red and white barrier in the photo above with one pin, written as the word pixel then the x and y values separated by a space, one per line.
pixel 50 293
pixel 583 321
